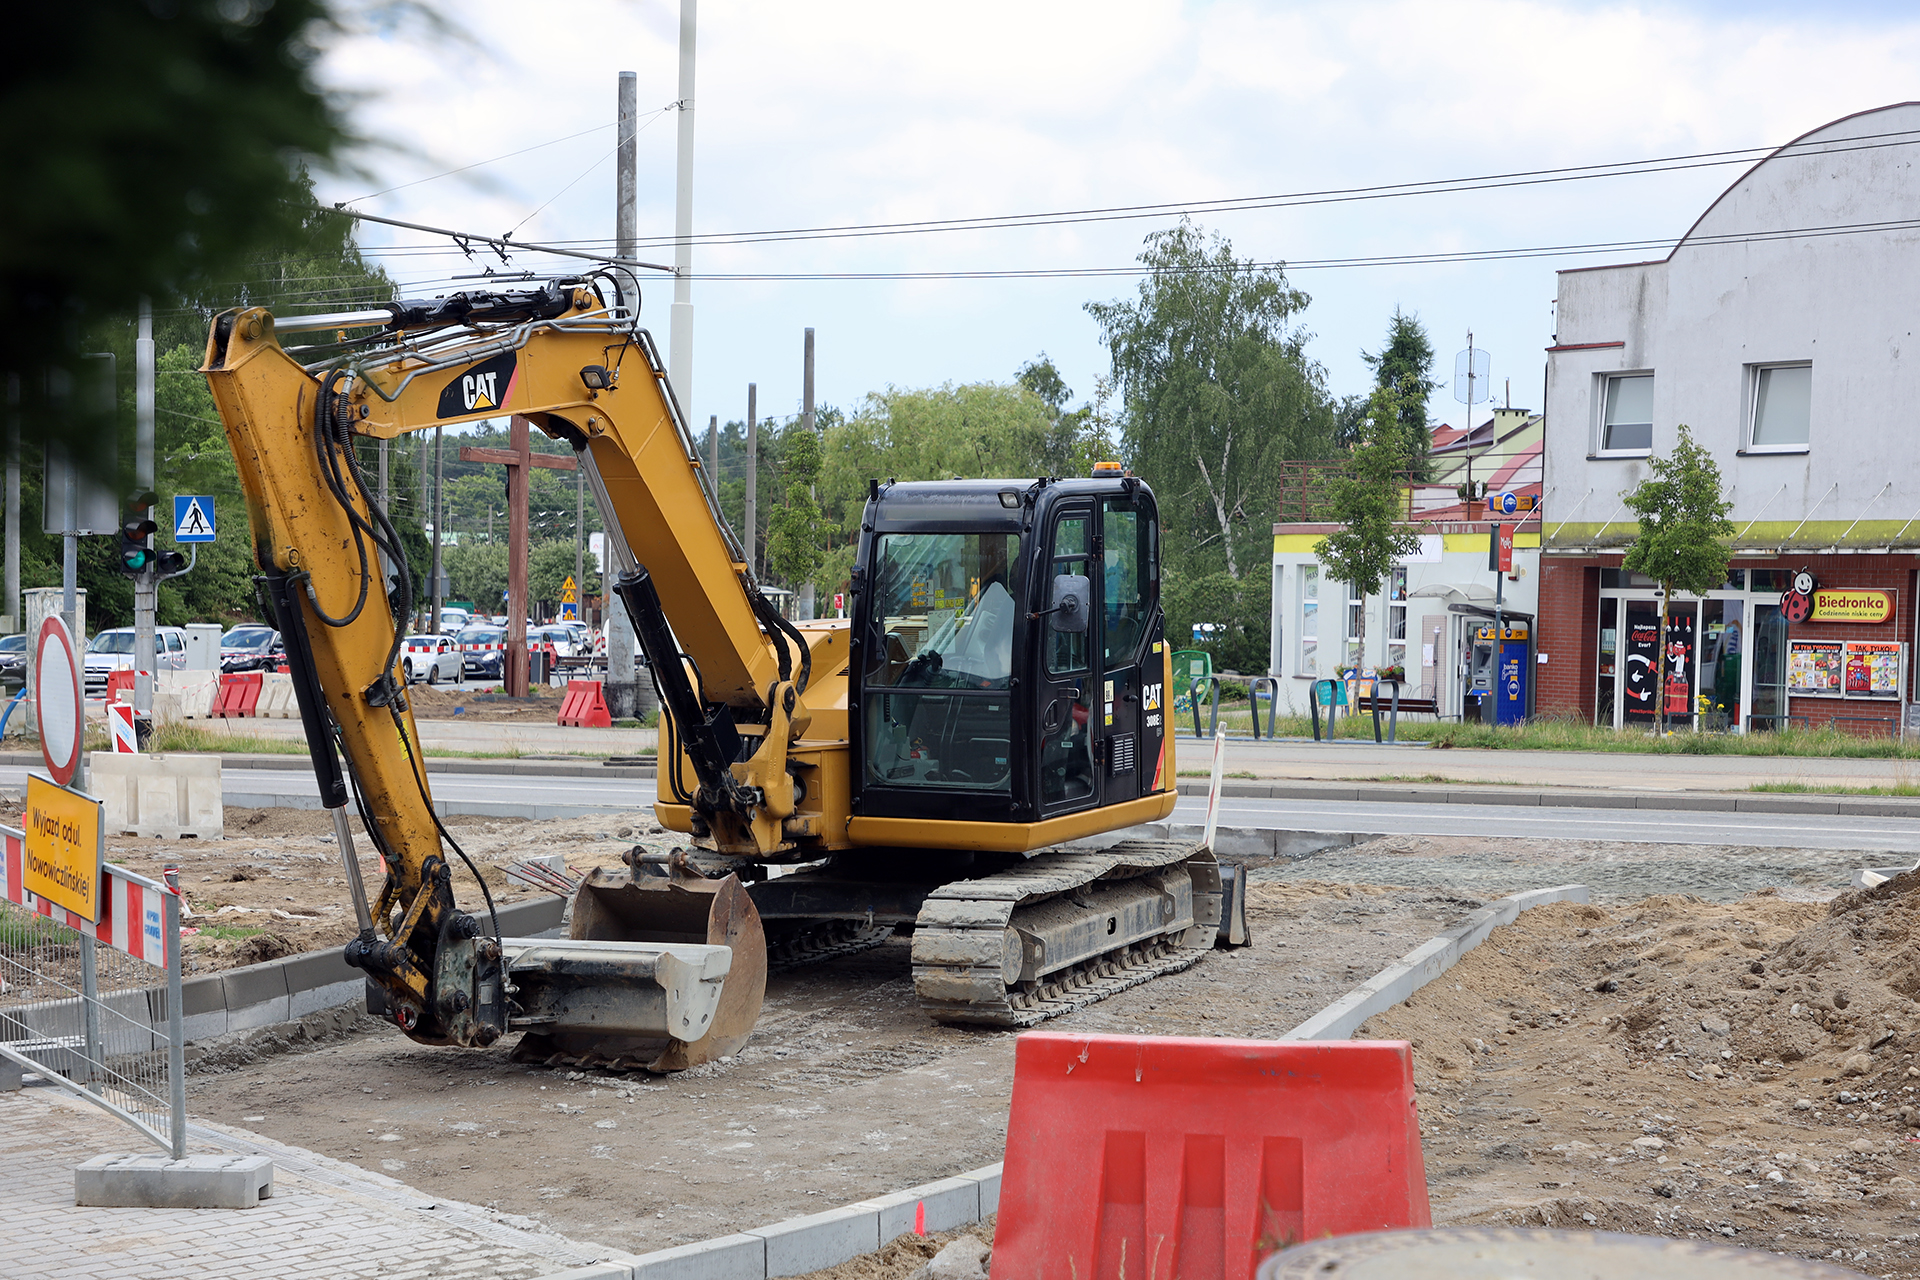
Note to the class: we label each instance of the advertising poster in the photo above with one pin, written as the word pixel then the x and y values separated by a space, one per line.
pixel 1813 666
pixel 1642 665
pixel 1872 669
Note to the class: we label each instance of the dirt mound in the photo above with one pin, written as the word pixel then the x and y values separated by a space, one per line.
pixel 444 702
pixel 261 947
pixel 1743 1070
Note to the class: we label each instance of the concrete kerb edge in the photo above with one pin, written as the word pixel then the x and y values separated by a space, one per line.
pixel 819 1240
pixel 1423 964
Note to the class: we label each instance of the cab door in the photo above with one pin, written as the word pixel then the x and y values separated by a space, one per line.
pixel 1128 626
pixel 1067 700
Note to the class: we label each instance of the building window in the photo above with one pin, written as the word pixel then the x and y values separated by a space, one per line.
pixel 1309 620
pixel 1782 407
pixel 1356 618
pixel 1626 421
pixel 1397 618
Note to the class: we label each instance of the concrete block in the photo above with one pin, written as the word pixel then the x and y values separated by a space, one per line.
pixel 156 1182
pixel 205 1026
pixel 276 698
pixel 318 969
pixel 949 1203
pixel 13 1076
pixel 1587 800
pixel 164 796
pixel 819 1240
pixel 532 917
pixel 1301 844
pixel 257 996
pixel 1690 804
pixel 988 1180
pixel 202 995
pixel 1494 795
pixel 331 996
pixel 1284 791
pixel 734 1257
pixel 594 1271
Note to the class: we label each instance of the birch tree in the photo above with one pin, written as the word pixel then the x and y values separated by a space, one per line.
pixel 1216 391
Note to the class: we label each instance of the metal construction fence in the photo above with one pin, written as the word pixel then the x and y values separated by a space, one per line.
pixel 95 1007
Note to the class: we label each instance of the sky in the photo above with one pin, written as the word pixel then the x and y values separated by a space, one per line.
pixel 852 114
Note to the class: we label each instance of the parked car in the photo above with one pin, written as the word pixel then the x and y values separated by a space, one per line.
pixel 13 659
pixel 484 651
pixel 565 641
pixel 454 621
pixel 251 648
pixel 433 659
pixel 112 650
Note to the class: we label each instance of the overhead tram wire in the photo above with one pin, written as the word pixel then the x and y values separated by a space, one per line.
pixel 481 164
pixel 1434 186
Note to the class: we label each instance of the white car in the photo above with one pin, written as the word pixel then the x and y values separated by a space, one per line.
pixel 453 621
pixel 112 650
pixel 433 659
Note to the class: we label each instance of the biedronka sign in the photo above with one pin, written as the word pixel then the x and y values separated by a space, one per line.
pixel 64 847
pixel 1831 604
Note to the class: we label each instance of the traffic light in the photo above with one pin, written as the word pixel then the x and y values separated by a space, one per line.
pixel 136 552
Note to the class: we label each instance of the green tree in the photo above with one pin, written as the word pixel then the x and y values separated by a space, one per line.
pixel 1217 391
pixel 1405 364
pixel 1366 496
pixel 1683 523
pixel 793 533
pixel 1074 440
pixel 147 150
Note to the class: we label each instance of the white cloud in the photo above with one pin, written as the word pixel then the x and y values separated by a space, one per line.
pixel 871 112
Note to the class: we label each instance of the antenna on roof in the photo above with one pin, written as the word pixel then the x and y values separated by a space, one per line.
pixel 1470 375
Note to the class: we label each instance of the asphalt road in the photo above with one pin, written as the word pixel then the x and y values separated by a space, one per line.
pixel 1659 826
pixel 504 795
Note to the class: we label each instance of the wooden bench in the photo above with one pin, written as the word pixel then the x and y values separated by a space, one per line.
pixel 1408 706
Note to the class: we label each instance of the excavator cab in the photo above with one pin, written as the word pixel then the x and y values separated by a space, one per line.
pixel 1008 650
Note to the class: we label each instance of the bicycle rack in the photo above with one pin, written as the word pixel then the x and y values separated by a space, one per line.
pixel 1193 700
pixel 1272 685
pixel 1333 707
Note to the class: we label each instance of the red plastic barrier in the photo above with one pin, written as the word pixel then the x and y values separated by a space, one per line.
pixel 1174 1158
pixel 239 693
pixel 119 682
pixel 585 706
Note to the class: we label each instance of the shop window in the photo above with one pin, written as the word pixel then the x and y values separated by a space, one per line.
pixel 1770 579
pixel 1626 419
pixel 1782 400
pixel 1309 620
pixel 1397 618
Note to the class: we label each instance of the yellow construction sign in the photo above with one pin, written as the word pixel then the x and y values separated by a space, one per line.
pixel 569 593
pixel 64 847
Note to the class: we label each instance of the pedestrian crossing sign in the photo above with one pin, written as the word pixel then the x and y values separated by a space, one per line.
pixel 193 517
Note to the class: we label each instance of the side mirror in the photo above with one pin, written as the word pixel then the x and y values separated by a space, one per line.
pixel 1071 610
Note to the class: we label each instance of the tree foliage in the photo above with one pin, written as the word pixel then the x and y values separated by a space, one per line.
pixel 794 529
pixel 150 150
pixel 1404 363
pixel 1366 497
pixel 1217 391
pixel 1682 511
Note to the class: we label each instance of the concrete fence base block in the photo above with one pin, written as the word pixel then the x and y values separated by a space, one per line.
pixel 155 1182
pixel 1339 1020
pixel 163 796
pixel 734 1257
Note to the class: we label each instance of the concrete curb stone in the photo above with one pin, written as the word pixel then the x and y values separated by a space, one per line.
pixel 819 1240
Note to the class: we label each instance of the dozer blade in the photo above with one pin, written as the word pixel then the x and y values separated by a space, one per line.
pixel 669 914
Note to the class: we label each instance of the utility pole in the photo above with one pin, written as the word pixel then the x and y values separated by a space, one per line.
pixel 580 542
pixel 620 690
pixel 19 623
pixel 383 474
pixel 713 452
pixel 439 508
pixel 680 331
pixel 432 625
pixel 146 587
pixel 753 483
pixel 806 420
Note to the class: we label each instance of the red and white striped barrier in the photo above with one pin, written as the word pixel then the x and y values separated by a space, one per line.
pixel 132 918
pixel 120 720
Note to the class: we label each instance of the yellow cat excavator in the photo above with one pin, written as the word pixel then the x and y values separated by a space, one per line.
pixel 999 692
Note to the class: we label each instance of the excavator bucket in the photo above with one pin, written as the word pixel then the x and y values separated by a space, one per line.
pixel 675 915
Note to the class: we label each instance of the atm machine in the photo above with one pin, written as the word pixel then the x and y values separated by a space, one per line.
pixel 1498 684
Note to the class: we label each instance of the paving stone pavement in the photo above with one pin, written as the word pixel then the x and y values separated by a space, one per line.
pixel 325 1219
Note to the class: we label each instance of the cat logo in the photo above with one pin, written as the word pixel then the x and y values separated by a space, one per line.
pixel 483 388
pixel 1150 697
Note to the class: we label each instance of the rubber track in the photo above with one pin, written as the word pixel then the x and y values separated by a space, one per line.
pixel 835 938
pixel 1047 876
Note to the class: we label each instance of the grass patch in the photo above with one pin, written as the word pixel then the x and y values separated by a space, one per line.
pixel 21 933
pixel 1808 788
pixel 1240 774
pixel 229 932
pixel 1548 734
pixel 1434 777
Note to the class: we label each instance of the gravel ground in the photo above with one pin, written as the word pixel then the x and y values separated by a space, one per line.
pixel 1493 867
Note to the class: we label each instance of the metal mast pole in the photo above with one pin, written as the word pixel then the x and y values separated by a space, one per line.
pixel 439 507
pixel 619 689
pixel 806 422
pixel 680 342
pixel 12 608
pixel 146 588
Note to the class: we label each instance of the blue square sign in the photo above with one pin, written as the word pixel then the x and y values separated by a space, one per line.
pixel 193 518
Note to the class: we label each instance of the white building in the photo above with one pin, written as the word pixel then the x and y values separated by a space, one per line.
pixel 1781 331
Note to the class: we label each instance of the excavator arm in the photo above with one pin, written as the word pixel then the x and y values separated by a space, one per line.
pixel 732 673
